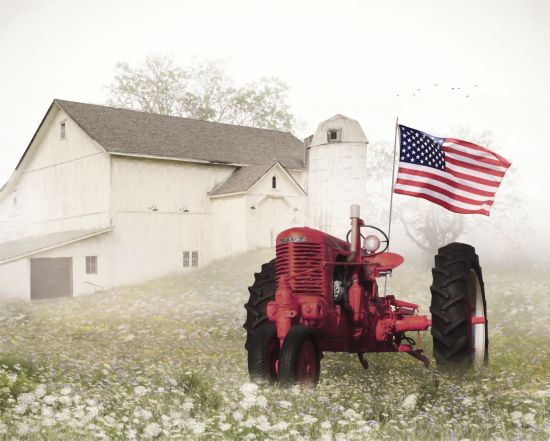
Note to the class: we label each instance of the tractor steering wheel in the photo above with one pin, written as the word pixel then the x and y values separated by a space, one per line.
pixel 386 239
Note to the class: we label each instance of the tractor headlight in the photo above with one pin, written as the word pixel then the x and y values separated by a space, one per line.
pixel 371 243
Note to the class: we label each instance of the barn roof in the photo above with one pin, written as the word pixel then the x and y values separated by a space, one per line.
pixel 146 134
pixel 242 179
pixel 17 249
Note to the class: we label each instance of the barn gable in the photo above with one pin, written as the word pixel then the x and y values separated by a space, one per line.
pixel 244 179
pixel 60 157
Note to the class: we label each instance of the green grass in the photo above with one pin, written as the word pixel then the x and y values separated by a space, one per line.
pixel 166 360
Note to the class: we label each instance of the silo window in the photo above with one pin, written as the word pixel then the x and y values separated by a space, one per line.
pixel 62 130
pixel 186 259
pixel 194 258
pixel 334 135
pixel 274 182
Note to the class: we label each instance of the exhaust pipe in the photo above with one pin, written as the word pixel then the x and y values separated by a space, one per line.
pixel 355 244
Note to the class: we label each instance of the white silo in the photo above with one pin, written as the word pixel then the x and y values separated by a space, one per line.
pixel 337 174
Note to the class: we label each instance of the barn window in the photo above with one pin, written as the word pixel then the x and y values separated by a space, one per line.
pixel 91 264
pixel 274 182
pixel 186 259
pixel 62 130
pixel 195 258
pixel 334 135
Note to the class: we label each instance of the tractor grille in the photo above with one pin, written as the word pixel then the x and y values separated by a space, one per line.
pixel 304 260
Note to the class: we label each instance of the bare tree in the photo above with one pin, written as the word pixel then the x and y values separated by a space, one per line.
pixel 156 87
pixel 203 91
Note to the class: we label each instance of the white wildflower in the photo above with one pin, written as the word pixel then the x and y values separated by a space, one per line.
pixel 65 400
pixel 40 391
pixel 66 390
pixel 296 390
pixel 529 419
pixel 3 428
pixel 21 408
pixel 409 402
pixel 143 413
pixel 23 429
pixel 285 404
pixel 187 405
pixel 64 415
pixel 248 401
pixel 224 427
pixel 261 401
pixel 151 430
pixel 93 411
pixel 280 426
pixel 308 419
pixel 467 401
pixel 326 425
pixel 326 437
pixel 351 415
pixel 140 391
pixel 237 416
pixel 48 422
pixel 516 416
pixel 249 389
pixel 196 426
pixel 12 377
pixel 262 423
pixel 25 398
pixel 50 399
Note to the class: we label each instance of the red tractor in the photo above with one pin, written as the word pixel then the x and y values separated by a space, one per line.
pixel 320 294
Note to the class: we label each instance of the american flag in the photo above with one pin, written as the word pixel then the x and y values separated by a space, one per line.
pixel 458 175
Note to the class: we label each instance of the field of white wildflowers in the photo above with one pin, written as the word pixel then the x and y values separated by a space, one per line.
pixel 165 360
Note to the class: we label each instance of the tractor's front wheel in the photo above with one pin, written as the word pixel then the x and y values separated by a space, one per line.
pixel 458 307
pixel 300 358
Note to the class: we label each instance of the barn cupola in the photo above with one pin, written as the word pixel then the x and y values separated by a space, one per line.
pixel 337 173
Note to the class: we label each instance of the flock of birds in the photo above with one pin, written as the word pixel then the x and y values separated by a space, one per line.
pixel 454 89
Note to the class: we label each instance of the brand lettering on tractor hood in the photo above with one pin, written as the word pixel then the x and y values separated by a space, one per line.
pixel 293 239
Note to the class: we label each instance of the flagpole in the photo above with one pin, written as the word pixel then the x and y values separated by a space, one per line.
pixel 393 174
pixel 391 193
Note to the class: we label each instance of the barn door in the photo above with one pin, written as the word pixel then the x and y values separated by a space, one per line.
pixel 51 277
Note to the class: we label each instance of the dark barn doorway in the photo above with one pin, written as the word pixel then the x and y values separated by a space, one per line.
pixel 51 278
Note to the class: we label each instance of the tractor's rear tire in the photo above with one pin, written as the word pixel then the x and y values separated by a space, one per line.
pixel 300 358
pixel 458 294
pixel 261 293
pixel 263 353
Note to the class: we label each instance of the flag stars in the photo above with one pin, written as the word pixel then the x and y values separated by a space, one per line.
pixel 421 149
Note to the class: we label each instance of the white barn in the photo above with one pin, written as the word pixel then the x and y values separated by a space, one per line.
pixel 104 197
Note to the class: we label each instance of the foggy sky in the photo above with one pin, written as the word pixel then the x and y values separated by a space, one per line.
pixel 350 57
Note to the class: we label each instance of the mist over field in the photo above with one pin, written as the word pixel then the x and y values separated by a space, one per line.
pixel 165 360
